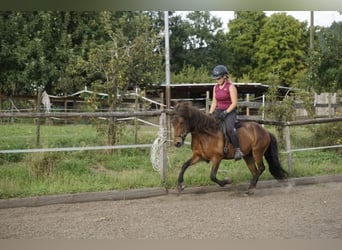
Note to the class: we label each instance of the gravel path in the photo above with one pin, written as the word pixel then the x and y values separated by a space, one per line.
pixel 300 212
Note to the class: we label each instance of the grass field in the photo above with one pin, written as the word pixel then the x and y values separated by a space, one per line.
pixel 31 174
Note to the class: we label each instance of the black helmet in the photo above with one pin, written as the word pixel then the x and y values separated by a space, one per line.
pixel 219 71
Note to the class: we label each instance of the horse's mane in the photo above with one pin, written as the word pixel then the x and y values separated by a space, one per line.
pixel 198 120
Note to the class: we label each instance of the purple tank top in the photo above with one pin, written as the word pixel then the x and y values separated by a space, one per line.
pixel 223 96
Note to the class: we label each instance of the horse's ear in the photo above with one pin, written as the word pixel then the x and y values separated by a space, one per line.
pixel 185 104
pixel 178 105
pixel 171 111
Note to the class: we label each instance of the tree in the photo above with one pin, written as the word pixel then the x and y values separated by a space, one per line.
pixel 129 55
pixel 84 30
pixel 179 32
pixel 327 63
pixel 195 41
pixel 35 49
pixel 191 75
pixel 15 31
pixel 281 49
pixel 243 33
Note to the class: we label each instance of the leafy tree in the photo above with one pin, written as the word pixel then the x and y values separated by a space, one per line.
pixel 15 32
pixel 121 31
pixel 190 74
pixel 38 50
pixel 327 62
pixel 84 30
pixel 195 41
pixel 281 49
pixel 244 31
pixel 128 55
pixel 278 109
pixel 179 32
pixel 47 48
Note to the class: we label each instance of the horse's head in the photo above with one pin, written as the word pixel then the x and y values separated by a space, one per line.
pixel 180 123
pixel 180 130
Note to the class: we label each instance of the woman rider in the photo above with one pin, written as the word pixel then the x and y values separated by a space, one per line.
pixel 224 105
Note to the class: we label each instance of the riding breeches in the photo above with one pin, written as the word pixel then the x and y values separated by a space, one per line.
pixel 230 127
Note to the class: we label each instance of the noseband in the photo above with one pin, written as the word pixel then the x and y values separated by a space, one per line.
pixel 183 135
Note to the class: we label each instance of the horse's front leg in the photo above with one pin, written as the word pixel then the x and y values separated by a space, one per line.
pixel 186 164
pixel 213 173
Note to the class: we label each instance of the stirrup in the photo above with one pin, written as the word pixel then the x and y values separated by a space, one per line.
pixel 238 154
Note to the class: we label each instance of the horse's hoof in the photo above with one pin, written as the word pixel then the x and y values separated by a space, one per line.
pixel 228 180
pixel 249 192
pixel 180 187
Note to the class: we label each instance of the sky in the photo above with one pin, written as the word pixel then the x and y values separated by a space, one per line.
pixel 321 18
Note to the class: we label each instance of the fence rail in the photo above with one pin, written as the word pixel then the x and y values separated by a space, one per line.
pixel 38 150
pixel 80 114
pixel 286 125
pixel 293 123
pixel 119 115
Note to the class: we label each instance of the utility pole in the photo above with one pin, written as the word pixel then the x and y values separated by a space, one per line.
pixel 167 59
pixel 311 49
pixel 167 72
pixel 312 30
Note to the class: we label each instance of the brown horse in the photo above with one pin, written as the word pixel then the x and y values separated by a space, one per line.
pixel 207 143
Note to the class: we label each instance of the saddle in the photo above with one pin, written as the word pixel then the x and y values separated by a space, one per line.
pixel 226 137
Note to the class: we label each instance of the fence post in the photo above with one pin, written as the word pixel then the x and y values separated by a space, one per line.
pixel 136 108
pixel 247 108
pixel 288 149
pixel 39 98
pixel 163 152
pixel 263 109
pixel 207 102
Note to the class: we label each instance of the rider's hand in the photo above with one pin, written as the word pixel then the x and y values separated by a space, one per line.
pixel 222 115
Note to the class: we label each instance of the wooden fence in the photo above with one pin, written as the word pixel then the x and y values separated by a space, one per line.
pixel 77 115
pixel 289 124
pixel 164 126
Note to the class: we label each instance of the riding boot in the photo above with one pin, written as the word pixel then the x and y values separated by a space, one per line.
pixel 236 144
pixel 238 154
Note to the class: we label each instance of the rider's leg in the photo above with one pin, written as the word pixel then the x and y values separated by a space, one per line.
pixel 230 125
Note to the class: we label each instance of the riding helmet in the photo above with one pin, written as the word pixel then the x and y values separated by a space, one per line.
pixel 219 71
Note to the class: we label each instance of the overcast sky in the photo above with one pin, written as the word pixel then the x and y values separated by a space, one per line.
pixel 321 18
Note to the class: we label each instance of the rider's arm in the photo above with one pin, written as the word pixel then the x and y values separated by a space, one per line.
pixel 213 103
pixel 234 98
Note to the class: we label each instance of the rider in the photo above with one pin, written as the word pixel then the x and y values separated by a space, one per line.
pixel 224 105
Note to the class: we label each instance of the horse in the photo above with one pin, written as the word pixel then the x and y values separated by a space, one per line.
pixel 207 144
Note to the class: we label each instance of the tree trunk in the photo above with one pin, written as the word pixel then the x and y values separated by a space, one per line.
pixel 111 139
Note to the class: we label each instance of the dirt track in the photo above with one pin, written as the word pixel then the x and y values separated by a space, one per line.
pixel 300 212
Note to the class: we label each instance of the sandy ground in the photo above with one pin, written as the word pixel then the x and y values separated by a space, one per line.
pixel 299 212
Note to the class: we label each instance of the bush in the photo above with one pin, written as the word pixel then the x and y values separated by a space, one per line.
pixel 327 134
pixel 42 164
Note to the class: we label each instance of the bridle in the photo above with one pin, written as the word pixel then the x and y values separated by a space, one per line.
pixel 183 134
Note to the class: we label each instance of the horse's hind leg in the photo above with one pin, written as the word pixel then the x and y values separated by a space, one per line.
pixel 260 167
pixel 254 171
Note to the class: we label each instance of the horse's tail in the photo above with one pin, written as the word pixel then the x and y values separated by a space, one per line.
pixel 272 159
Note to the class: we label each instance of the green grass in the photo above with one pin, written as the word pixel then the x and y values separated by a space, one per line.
pixel 23 175
pixel 318 162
